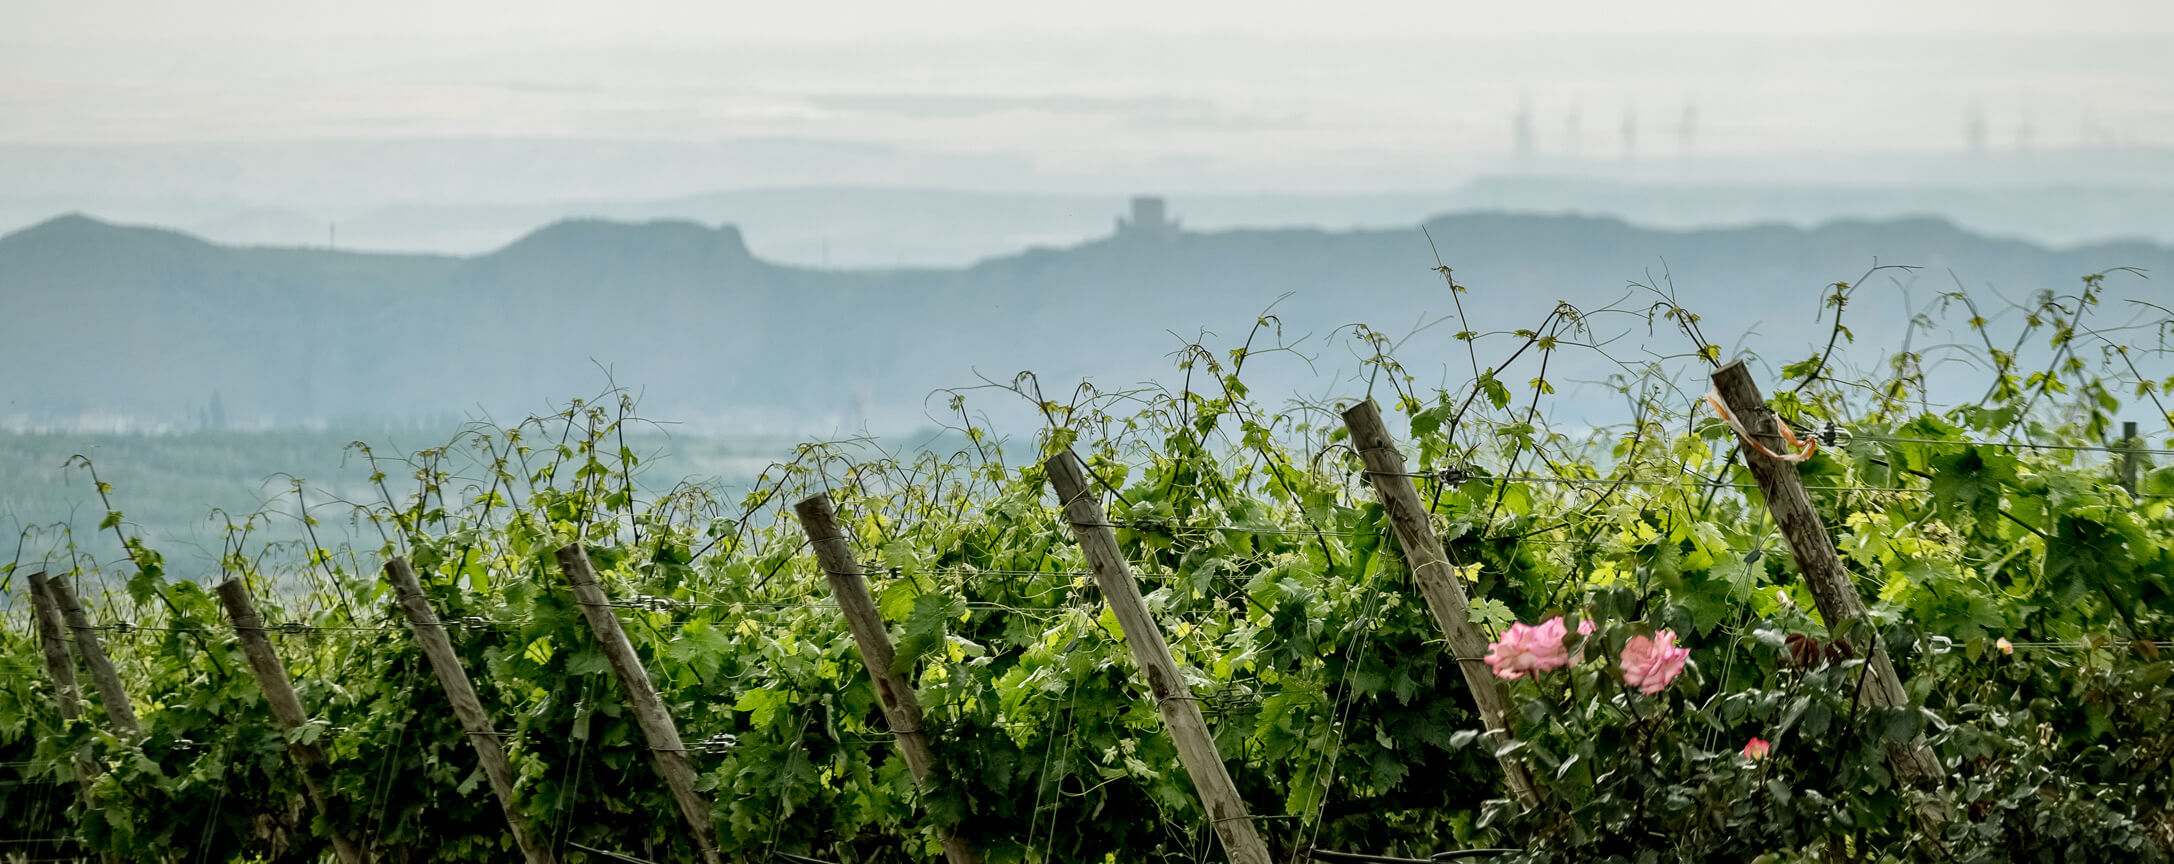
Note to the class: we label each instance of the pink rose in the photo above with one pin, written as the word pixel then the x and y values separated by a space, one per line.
pixel 1756 749
pixel 1649 664
pixel 1525 650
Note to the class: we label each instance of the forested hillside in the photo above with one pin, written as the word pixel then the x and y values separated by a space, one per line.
pixel 151 324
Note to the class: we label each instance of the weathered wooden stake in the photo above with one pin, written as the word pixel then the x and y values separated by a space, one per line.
pixel 466 707
pixel 1439 585
pixel 271 675
pixel 1180 710
pixel 67 693
pixel 2129 463
pixel 110 694
pixel 1839 603
pixel 656 723
pixel 900 707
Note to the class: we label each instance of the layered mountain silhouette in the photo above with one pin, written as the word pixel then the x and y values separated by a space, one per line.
pixel 107 320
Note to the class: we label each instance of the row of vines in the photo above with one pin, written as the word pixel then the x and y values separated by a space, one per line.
pixel 2021 590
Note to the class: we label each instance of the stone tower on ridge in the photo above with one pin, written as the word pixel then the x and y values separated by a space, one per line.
pixel 1150 219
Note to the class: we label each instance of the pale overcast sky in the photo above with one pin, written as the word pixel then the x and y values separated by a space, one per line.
pixel 100 19
pixel 1257 94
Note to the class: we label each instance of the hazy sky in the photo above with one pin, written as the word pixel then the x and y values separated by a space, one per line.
pixel 486 20
pixel 1259 94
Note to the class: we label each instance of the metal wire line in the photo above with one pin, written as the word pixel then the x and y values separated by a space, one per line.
pixel 2022 445
pixel 1626 481
pixel 616 856
pixel 2081 645
pixel 1810 487
pixel 275 629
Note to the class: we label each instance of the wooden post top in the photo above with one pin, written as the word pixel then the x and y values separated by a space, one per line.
pixel 816 510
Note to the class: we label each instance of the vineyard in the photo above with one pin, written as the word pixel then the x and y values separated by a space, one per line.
pixel 1413 624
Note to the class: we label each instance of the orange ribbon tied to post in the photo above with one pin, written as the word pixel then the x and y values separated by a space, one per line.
pixel 1803 449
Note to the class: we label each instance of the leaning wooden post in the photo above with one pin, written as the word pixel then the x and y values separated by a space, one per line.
pixel 278 690
pixel 656 723
pixel 466 707
pixel 901 709
pixel 1439 585
pixel 2129 464
pixel 1180 710
pixel 1839 603
pixel 67 693
pixel 110 694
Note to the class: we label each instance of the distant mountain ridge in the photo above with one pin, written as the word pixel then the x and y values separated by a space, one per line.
pixel 106 320
pixel 890 226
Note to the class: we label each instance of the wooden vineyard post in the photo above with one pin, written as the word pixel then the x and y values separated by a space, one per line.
pixel 271 677
pixel 2128 456
pixel 1180 710
pixel 466 707
pixel 1438 585
pixel 67 693
pixel 110 694
pixel 60 668
pixel 901 709
pixel 656 723
pixel 1839 604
